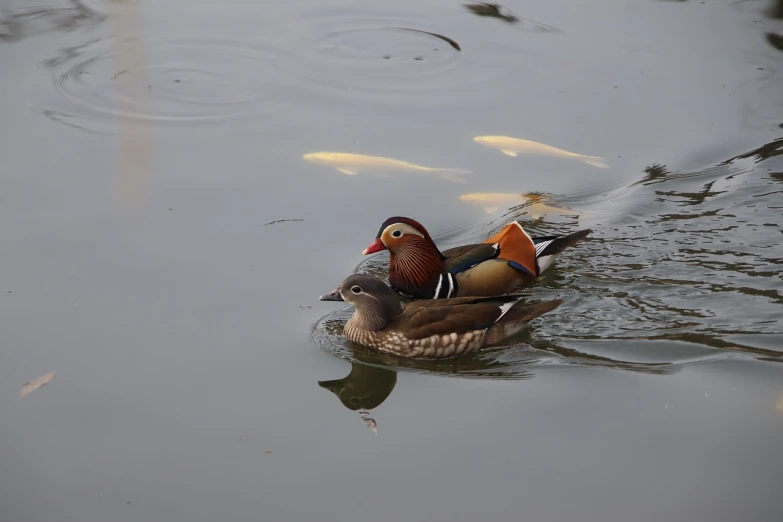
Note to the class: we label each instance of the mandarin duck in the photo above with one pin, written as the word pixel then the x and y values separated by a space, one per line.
pixel 430 329
pixel 508 260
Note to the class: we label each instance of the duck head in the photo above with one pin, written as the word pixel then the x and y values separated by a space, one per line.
pixel 376 304
pixel 398 233
pixel 415 263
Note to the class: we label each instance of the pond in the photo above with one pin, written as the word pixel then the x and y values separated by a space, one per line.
pixel 172 205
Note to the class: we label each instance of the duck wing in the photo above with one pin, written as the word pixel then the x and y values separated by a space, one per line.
pixel 422 319
pixel 462 258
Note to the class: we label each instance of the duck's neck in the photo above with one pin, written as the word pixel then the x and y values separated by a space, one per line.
pixel 366 320
pixel 416 267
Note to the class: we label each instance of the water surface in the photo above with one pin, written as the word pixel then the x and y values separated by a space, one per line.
pixel 146 144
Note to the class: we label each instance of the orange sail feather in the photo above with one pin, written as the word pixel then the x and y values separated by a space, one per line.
pixel 516 245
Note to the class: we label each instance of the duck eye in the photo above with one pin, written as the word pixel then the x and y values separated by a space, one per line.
pixel 356 289
pixel 396 233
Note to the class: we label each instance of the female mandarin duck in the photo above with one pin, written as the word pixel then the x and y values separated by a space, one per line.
pixel 501 264
pixel 430 329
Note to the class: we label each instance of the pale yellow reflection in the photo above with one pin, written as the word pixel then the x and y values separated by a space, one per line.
pixel 536 205
pixel 513 146
pixel 134 138
pixel 352 164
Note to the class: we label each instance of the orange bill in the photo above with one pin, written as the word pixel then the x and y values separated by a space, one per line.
pixel 516 246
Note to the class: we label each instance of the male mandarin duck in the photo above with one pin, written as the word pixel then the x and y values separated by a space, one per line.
pixel 506 261
pixel 430 329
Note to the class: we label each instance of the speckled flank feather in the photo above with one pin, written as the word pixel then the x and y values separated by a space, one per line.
pixel 432 347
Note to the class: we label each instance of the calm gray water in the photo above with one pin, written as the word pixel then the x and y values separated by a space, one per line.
pixel 145 145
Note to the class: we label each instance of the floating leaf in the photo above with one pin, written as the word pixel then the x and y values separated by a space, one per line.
pixel 371 425
pixel 283 221
pixel 36 383
pixel 369 422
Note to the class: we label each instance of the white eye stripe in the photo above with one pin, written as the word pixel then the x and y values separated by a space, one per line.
pixel 403 228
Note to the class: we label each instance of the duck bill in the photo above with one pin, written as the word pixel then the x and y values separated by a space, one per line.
pixel 376 246
pixel 334 295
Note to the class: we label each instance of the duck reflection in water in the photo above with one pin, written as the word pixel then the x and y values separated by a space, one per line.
pixel 365 388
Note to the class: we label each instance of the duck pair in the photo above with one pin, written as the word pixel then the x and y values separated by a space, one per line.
pixel 458 304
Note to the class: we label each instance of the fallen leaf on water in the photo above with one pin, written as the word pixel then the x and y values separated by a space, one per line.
pixel 780 405
pixel 369 422
pixel 269 451
pixel 371 425
pixel 36 383
pixel 284 221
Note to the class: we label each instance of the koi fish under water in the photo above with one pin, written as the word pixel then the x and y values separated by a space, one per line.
pixel 513 146
pixel 352 164
pixel 535 205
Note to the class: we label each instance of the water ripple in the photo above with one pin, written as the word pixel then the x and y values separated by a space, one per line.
pixel 161 80
pixel 702 264
pixel 518 360
pixel 384 55
pixel 682 268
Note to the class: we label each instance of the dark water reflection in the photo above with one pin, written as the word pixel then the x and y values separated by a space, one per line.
pixel 22 22
pixel 146 146
pixel 501 12
pixel 775 9
pixel 492 10
pixel 775 40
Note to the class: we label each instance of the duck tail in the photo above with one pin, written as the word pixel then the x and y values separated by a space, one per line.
pixel 548 246
pixel 516 318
